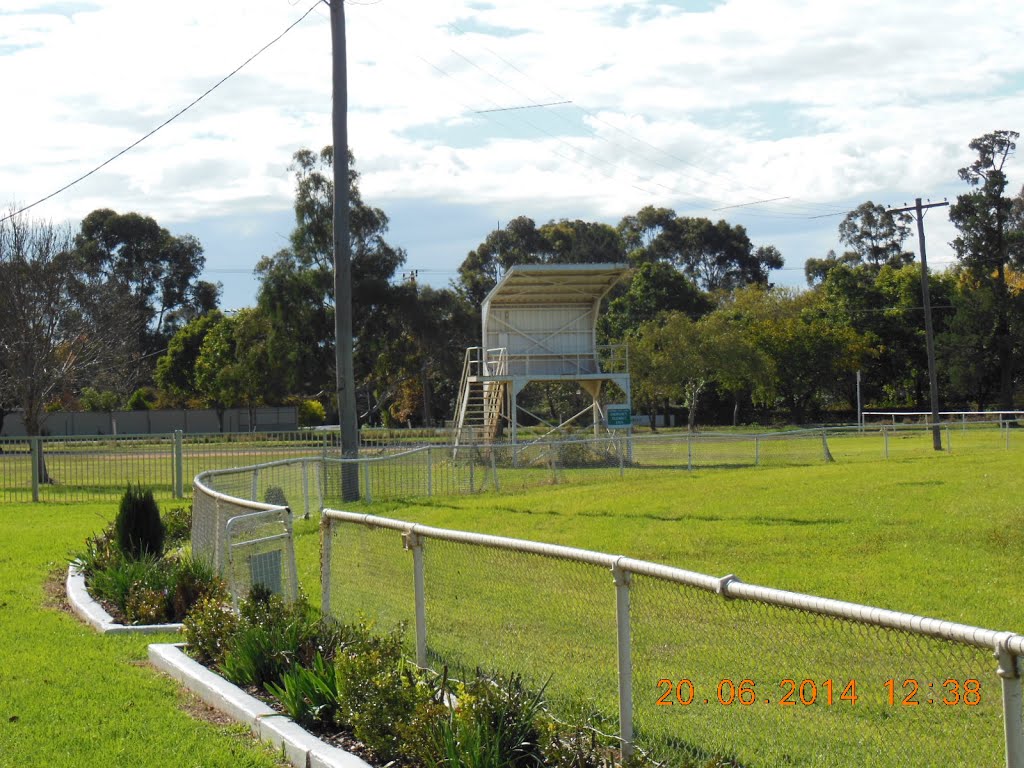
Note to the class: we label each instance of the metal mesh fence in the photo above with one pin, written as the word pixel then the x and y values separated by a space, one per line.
pixel 371 577
pixel 83 469
pixel 294 483
pixel 71 469
pixel 765 685
pixel 15 469
pixel 719 672
pixel 260 552
pixel 553 621
pixel 428 471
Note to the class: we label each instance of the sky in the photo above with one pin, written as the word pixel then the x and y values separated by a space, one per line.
pixel 464 114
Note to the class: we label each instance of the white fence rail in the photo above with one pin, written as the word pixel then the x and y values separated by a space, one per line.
pixel 79 469
pixel 685 665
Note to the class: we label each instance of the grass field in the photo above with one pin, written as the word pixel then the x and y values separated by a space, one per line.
pixel 71 698
pixel 934 534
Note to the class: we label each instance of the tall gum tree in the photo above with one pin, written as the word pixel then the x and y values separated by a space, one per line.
pixel 989 245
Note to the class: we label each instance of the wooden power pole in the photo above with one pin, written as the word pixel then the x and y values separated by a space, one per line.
pixel 929 333
pixel 346 390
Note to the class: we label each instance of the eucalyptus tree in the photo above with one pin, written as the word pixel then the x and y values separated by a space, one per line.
pixel 989 244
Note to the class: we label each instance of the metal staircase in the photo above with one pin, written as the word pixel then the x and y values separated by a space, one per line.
pixel 482 397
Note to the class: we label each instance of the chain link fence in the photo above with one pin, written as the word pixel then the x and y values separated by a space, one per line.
pixel 688 667
pixel 84 469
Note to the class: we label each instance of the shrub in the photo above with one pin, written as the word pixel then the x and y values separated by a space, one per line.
pixel 177 525
pixel 193 580
pixel 114 584
pixel 139 527
pixel 311 413
pixel 378 691
pixel 271 637
pixel 580 747
pixel 208 629
pixel 142 399
pixel 145 605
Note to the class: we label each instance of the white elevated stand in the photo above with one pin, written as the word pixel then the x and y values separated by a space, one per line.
pixel 539 324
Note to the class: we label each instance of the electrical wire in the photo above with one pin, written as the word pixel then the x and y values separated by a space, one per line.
pixel 166 122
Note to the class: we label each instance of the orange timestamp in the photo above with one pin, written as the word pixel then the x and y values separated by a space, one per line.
pixel 790 692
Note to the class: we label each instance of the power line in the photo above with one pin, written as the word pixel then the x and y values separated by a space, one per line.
pixel 523 106
pixel 166 122
pixel 732 182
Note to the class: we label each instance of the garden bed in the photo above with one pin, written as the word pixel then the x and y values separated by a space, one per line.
pixel 300 747
pixel 95 615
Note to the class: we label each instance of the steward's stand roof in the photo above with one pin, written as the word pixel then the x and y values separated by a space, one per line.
pixel 540 284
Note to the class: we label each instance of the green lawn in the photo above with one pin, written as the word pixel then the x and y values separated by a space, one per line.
pixel 932 534
pixel 72 698
pixel 935 534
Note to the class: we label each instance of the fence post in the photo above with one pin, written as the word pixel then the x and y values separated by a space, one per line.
pixel 622 582
pixel 494 471
pixel 325 565
pixel 430 474
pixel 622 462
pixel 255 485
pixel 689 451
pixel 36 452
pixel 949 444
pixel 757 450
pixel 1013 707
pixel 179 469
pixel 472 480
pixel 885 437
pixel 305 488
pixel 412 541
pixel 366 481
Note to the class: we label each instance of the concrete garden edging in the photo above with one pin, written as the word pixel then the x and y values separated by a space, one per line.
pixel 93 614
pixel 302 749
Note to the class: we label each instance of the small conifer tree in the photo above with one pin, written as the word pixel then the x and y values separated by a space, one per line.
pixel 140 530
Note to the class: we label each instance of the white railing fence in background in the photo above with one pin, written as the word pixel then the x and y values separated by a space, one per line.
pixel 686 666
pixel 85 469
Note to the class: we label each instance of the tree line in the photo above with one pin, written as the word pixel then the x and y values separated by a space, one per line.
pixel 116 314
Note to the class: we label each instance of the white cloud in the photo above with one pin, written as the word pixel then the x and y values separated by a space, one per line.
pixel 826 104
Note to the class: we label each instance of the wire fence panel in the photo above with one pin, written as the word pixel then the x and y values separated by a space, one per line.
pixel 15 469
pixel 99 468
pixel 222 451
pixel 261 553
pixel 371 578
pixel 690 668
pixel 553 621
pixel 765 685
pixel 294 483
pixel 89 469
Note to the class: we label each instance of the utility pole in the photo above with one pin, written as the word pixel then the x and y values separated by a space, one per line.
pixel 346 391
pixel 929 333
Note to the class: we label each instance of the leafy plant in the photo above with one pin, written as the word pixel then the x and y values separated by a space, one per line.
pixel 138 525
pixel 115 583
pixel 272 636
pixel 309 695
pixel 177 525
pixel 99 554
pixel 580 747
pixel 145 605
pixel 208 629
pixel 378 690
pixel 193 579
pixel 509 712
